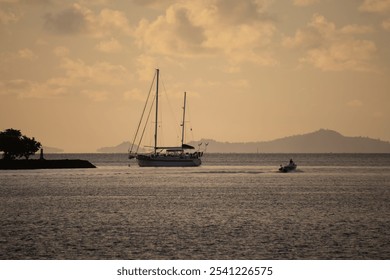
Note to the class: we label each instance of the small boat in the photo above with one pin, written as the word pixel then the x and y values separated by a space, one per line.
pixel 287 168
pixel 174 156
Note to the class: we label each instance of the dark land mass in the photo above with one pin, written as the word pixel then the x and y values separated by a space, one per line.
pixel 45 164
pixel 321 141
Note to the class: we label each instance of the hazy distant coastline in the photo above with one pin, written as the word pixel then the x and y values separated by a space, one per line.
pixel 321 141
pixel 52 150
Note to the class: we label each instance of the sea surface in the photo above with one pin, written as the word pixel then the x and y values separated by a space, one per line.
pixel 234 206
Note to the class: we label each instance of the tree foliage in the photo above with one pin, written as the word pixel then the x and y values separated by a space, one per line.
pixel 15 145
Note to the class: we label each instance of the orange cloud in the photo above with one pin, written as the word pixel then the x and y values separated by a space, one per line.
pixel 305 2
pixel 386 24
pixel 239 30
pixel 334 49
pixel 109 46
pixel 375 6
pixel 78 19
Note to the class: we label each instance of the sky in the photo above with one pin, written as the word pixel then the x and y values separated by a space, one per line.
pixel 75 74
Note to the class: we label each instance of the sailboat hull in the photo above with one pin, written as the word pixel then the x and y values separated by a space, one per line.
pixel 167 161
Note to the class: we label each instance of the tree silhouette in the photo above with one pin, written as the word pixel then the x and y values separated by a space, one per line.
pixel 13 144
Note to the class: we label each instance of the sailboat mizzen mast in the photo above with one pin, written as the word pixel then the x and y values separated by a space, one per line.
pixel 156 118
pixel 184 116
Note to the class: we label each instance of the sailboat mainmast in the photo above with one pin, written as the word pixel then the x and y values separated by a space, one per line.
pixel 156 119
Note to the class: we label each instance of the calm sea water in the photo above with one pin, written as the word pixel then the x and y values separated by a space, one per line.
pixel 235 206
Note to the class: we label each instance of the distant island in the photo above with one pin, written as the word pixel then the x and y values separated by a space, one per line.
pixel 52 150
pixel 321 141
pixel 120 149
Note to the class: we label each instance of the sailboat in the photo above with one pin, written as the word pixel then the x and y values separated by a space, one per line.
pixel 176 156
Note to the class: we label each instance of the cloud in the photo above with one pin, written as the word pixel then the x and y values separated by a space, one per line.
pixel 42 90
pixel 375 6
pixel 304 2
pixel 91 80
pixel 97 96
pixel 240 83
pixel 355 103
pixel 386 24
pixel 240 30
pixel 61 51
pixel 240 12
pixel 69 21
pixel 108 21
pixel 12 86
pixel 30 2
pixel 333 49
pixel 109 46
pixel 78 19
pixel 171 34
pixel 339 56
pixel 100 73
pixel 31 89
pixel 134 94
pixel 94 2
pixel 22 54
pixel 157 4
pixel 12 11
pixel 7 17
pixel 145 66
pixel 27 54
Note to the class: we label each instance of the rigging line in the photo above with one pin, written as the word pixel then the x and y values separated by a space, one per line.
pixel 171 110
pixel 147 120
pixel 142 116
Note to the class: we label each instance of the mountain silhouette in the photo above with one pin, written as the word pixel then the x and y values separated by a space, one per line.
pixel 121 148
pixel 321 141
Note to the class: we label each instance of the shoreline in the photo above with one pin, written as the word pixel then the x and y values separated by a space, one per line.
pixel 44 164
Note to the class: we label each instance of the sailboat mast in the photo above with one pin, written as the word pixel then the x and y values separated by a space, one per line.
pixel 156 119
pixel 183 123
